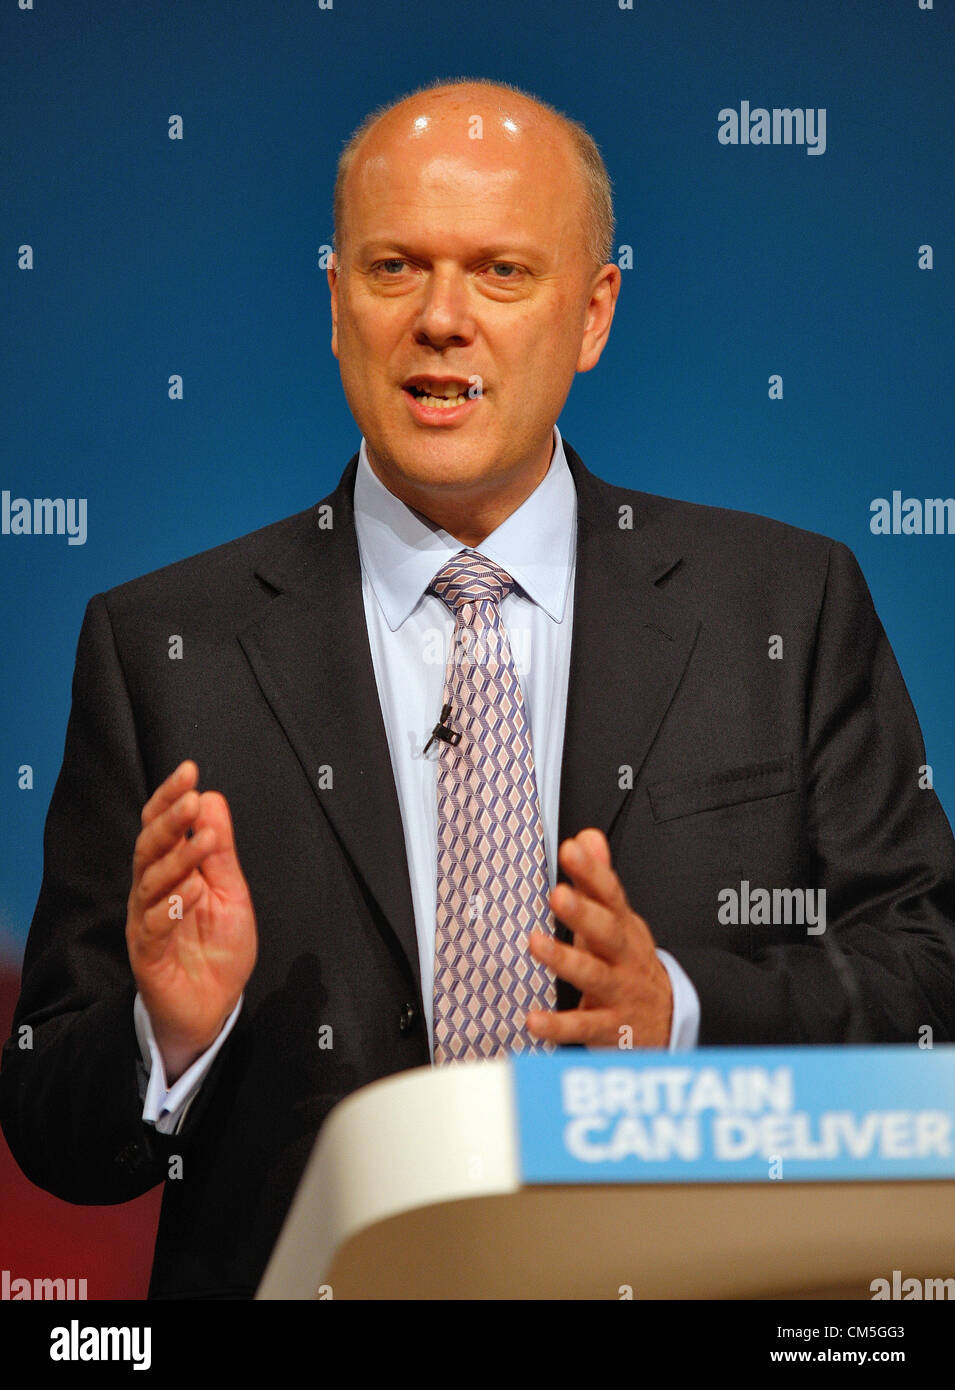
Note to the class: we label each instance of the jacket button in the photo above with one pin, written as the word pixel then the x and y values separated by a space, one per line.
pixel 408 1019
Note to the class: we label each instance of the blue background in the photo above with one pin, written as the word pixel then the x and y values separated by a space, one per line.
pixel 200 257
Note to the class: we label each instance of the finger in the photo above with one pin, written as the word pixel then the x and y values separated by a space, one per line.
pixel 191 890
pixel 165 875
pixel 597 928
pixel 159 921
pixel 579 968
pixel 164 831
pixel 595 842
pixel 181 780
pixel 592 1027
pixel 592 874
pixel 150 945
pixel 220 866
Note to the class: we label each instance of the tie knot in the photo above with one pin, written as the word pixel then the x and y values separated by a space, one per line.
pixel 470 578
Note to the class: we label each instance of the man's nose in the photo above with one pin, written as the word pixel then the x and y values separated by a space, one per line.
pixel 445 315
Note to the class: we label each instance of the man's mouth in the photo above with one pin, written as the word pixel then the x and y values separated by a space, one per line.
pixel 437 393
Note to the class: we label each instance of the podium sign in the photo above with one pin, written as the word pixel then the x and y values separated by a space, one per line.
pixel 716 1173
pixel 737 1115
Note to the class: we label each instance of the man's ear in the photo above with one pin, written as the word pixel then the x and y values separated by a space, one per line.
pixel 332 273
pixel 603 300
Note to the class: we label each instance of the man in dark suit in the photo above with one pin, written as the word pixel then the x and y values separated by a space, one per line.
pixel 274 951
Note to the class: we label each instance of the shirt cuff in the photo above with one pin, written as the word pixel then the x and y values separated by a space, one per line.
pixel 165 1106
pixel 685 1025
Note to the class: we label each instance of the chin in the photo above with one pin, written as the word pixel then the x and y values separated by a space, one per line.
pixel 443 478
pixel 433 462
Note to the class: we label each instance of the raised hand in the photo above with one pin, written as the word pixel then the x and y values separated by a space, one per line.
pixel 613 960
pixel 190 924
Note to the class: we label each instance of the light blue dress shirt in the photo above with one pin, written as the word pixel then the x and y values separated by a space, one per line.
pixel 409 632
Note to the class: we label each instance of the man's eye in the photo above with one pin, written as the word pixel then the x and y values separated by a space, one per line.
pixel 510 270
pixel 392 267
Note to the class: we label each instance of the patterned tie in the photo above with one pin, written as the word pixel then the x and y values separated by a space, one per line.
pixel 492 869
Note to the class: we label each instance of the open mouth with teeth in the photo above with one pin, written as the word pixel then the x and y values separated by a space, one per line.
pixel 439 395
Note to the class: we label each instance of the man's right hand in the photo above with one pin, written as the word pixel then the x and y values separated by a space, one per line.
pixel 190 924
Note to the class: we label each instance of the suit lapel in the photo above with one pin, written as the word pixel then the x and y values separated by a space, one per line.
pixel 313 662
pixel 631 643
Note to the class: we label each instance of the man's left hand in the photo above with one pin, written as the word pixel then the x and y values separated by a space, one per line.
pixel 613 960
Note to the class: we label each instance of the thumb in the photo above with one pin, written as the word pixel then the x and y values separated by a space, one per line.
pixel 220 867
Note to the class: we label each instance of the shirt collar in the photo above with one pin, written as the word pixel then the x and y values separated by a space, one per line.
pixel 401 551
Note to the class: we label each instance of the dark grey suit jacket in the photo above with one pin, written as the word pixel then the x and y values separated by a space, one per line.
pixel 705 762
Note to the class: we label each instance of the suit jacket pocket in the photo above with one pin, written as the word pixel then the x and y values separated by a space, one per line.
pixel 687 796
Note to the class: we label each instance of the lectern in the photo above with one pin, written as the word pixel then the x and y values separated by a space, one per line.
pixel 717 1174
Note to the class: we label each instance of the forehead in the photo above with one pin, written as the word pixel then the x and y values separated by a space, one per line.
pixel 464 160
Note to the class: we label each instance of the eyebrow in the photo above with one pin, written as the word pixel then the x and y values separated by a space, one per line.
pixel 495 250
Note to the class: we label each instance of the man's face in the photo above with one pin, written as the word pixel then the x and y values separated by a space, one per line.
pixel 464 275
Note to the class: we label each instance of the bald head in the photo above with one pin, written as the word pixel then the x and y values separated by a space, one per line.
pixel 448 118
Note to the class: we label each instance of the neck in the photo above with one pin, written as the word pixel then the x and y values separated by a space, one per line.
pixel 470 515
